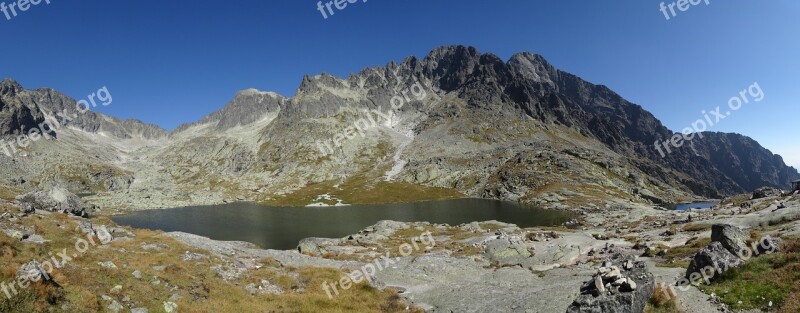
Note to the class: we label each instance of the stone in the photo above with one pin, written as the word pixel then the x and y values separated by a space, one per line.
pixel 170 307
pixel 628 265
pixel 56 199
pixel 713 261
pixel 769 245
pixel 506 251
pixel 15 234
pixel 251 289
pixel 137 274
pixel 140 310
pixel 315 246
pixel 731 237
pixel 766 192
pixel 115 307
pixel 32 269
pixel 108 264
pixel 598 284
pixel 625 295
pixel 86 227
pixel 190 256
pixel 612 274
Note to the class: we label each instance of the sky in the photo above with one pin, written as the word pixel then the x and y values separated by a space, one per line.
pixel 171 62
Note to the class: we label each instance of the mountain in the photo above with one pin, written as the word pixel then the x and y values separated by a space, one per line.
pixel 464 123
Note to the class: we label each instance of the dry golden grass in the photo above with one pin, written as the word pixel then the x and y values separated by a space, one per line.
pixel 697 227
pixel 663 301
pixel 81 283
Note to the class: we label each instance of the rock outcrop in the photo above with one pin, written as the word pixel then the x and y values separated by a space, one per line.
pixel 55 199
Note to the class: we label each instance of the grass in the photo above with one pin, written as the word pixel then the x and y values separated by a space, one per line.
pixel 763 279
pixel 663 301
pixel 9 193
pixel 681 256
pixel 697 227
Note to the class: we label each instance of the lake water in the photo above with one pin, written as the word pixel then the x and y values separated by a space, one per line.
pixel 283 227
pixel 698 205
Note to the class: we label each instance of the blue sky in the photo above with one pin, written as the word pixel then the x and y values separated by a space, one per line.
pixel 169 62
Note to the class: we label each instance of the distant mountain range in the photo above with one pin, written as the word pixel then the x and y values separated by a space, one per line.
pixel 517 130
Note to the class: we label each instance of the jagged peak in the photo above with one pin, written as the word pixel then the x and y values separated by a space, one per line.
pixel 255 92
pixel 10 86
pixel 454 50
pixel 533 66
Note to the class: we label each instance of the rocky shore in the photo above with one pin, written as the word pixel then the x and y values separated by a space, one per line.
pixel 609 259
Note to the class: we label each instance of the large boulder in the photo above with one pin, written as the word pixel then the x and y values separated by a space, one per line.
pixel 731 237
pixel 507 251
pixel 766 192
pixel 622 285
pixel 711 262
pixel 316 246
pixel 56 199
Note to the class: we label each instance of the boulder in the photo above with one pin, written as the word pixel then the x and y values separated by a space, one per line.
pixel 507 251
pixel 731 237
pixel 769 245
pixel 712 261
pixel 621 286
pixel 766 192
pixel 32 271
pixel 56 199
pixel 170 307
pixel 315 246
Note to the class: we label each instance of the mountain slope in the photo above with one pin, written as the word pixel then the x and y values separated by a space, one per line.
pixel 469 124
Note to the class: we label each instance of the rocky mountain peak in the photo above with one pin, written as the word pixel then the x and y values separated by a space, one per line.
pixel 313 84
pixel 10 87
pixel 533 67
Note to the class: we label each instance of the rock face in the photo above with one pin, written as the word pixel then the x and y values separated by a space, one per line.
pixel 622 285
pixel 27 108
pixel 56 199
pixel 247 107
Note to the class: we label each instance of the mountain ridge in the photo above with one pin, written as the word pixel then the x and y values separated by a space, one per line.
pixel 510 127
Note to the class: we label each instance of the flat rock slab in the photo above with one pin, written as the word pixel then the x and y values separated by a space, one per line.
pixel 441 283
pixel 239 249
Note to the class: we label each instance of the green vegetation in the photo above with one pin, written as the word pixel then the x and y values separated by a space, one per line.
pixel 767 278
pixel 681 256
